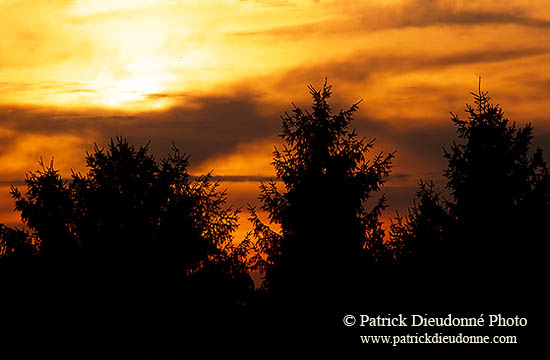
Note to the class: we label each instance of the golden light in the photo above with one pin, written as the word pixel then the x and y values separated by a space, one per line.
pixel 66 151
pixel 136 66
pixel 140 79
pixel 252 159
pixel 411 62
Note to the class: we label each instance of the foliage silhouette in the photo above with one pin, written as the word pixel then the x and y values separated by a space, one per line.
pixel 484 237
pixel 47 210
pixel 497 186
pixel 128 209
pixel 419 239
pixel 140 232
pixel 327 232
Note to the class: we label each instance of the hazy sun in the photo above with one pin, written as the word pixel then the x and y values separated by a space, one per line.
pixel 137 81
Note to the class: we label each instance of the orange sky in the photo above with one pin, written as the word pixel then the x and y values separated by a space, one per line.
pixel 214 76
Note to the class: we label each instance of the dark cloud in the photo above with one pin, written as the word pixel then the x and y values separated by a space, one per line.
pixel 363 65
pixel 211 126
pixel 417 144
pixel 206 127
pixel 12 182
pixel 257 178
pixel 541 139
pixel 243 178
pixel 421 13
pixel 414 13
pixel 399 198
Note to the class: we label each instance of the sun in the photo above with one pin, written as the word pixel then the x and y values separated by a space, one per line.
pixel 137 62
pixel 133 89
pixel 133 83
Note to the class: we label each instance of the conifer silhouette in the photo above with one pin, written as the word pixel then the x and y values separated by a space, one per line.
pixel 329 218
pixel 482 239
pixel 419 239
pixel 140 243
pixel 498 186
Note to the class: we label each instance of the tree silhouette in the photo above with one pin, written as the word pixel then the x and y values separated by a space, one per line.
pixel 484 236
pixel 128 209
pixel 144 234
pixel 47 210
pixel 327 232
pixel 420 238
pixel 497 185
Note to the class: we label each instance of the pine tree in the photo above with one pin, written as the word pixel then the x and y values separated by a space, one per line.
pixel 493 177
pixel 328 214
pixel 420 239
pixel 499 199
pixel 134 215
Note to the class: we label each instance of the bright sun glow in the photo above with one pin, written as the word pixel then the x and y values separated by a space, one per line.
pixel 139 80
pixel 123 91
pixel 139 69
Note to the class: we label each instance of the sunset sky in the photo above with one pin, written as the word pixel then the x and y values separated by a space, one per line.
pixel 214 76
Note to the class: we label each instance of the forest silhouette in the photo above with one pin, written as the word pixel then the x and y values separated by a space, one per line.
pixel 138 255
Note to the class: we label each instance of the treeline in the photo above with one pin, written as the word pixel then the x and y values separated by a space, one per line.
pixel 138 243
